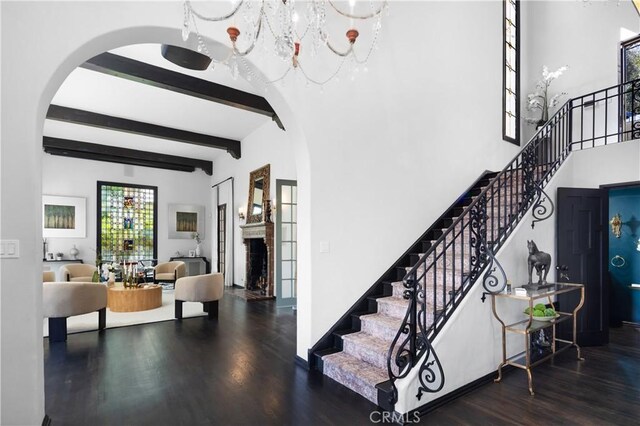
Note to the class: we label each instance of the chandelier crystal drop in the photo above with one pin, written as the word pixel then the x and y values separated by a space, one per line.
pixel 321 30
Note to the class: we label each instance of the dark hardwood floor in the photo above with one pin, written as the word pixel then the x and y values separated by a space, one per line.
pixel 604 389
pixel 240 370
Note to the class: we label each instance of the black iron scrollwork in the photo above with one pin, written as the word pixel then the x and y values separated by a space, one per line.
pixel 478 236
pixel 492 282
pixel 431 374
pixel 635 124
pixel 411 343
pixel 543 206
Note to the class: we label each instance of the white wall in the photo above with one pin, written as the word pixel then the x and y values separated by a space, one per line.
pixel 391 150
pixel 586 37
pixel 266 145
pixel 76 177
pixel 473 319
pixel 377 159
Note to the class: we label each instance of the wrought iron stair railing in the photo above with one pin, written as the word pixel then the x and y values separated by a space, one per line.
pixel 465 252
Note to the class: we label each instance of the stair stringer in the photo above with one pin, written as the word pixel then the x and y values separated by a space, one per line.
pixel 469 344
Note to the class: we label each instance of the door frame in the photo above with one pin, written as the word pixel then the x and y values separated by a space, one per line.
pixel 280 301
pixel 605 245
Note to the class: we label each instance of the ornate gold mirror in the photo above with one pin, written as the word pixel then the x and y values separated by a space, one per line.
pixel 259 181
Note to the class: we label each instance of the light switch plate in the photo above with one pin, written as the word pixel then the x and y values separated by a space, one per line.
pixel 9 249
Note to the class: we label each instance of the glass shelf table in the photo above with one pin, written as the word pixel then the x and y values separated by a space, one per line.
pixel 526 327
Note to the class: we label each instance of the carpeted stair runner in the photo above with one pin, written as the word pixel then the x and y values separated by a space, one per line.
pixel 362 362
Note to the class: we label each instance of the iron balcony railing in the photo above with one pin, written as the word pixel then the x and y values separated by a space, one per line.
pixel 438 282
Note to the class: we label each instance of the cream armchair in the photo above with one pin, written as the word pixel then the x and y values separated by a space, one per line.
pixel 207 289
pixel 169 272
pixel 77 272
pixel 61 300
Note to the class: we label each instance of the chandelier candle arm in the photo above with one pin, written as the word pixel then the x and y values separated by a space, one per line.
pixel 363 17
pixel 282 18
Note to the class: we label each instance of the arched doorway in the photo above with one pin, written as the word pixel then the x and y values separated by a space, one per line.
pixel 35 64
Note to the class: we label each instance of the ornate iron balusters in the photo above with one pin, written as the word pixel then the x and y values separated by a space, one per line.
pixel 635 110
pixel 543 206
pixel 529 171
pixel 478 236
pixel 415 343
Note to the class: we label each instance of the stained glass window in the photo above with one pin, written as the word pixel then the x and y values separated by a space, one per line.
pixel 127 225
pixel 511 80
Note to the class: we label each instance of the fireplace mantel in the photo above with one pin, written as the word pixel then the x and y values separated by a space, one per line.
pixel 254 231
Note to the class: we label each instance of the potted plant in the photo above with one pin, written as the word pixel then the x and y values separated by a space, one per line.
pixel 196 237
pixel 59 255
pixel 541 99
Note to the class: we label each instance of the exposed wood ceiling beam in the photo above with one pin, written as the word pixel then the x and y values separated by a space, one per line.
pixel 111 154
pixel 94 119
pixel 141 72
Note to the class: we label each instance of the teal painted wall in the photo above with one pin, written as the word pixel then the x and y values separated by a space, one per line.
pixel 625 302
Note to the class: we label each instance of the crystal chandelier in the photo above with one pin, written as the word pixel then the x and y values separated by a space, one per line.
pixel 294 36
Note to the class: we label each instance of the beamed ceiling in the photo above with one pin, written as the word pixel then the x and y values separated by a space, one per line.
pixel 132 106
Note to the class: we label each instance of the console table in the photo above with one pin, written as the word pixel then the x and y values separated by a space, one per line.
pixel 530 325
pixel 198 265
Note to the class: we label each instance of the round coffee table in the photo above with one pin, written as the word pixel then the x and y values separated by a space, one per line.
pixel 120 299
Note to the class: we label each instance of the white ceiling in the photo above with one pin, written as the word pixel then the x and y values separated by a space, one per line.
pixel 98 92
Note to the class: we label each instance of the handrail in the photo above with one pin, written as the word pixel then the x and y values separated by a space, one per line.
pixel 445 273
pixel 326 341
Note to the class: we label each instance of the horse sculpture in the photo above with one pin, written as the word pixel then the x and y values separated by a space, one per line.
pixel 540 261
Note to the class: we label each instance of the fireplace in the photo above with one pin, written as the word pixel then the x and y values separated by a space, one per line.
pixel 258 241
pixel 256 264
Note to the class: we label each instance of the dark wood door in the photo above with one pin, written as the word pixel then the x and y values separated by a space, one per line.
pixel 580 254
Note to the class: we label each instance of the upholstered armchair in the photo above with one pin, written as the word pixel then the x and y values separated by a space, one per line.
pixel 207 289
pixel 77 272
pixel 61 300
pixel 48 276
pixel 169 272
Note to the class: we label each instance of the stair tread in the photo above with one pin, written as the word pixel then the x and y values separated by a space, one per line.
pixel 393 300
pixel 345 331
pixel 356 374
pixel 385 320
pixel 369 341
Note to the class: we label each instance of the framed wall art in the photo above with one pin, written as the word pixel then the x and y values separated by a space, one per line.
pixel 185 220
pixel 64 217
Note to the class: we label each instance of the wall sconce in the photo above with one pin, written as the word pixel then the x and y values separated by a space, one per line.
pixel 616 223
pixel 241 213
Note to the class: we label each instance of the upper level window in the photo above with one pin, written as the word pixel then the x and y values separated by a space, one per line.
pixel 510 79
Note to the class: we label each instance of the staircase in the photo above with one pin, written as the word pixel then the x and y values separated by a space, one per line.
pixel 389 330
pixel 356 354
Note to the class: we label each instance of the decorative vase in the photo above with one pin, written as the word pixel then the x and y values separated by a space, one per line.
pixel 112 278
pixel 198 249
pixel 74 252
pixel 96 277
